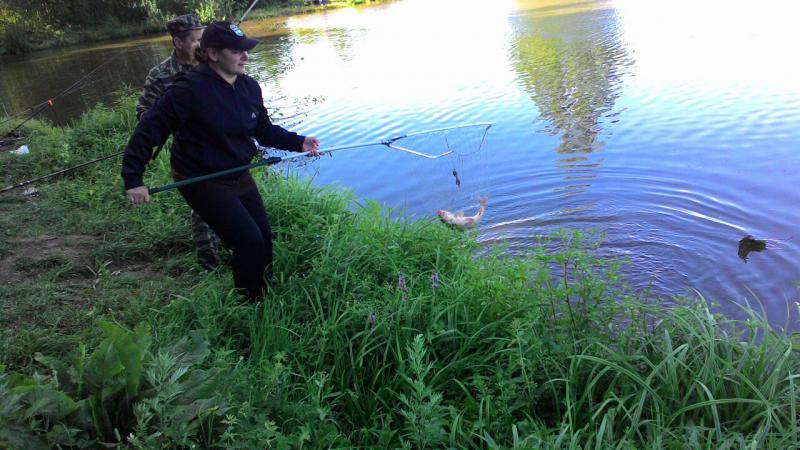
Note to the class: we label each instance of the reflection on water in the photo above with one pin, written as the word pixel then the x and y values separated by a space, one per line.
pixel 669 127
pixel 573 81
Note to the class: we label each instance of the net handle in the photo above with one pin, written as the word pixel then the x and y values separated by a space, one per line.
pixel 424 155
pixel 277 159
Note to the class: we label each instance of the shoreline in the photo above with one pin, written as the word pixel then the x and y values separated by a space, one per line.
pixel 119 32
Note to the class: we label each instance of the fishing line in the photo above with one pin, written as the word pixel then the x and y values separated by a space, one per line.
pixel 72 88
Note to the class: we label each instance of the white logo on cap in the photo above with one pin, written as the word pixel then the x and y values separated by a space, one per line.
pixel 253 116
pixel 236 30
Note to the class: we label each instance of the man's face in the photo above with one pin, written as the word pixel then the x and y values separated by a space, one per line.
pixel 186 46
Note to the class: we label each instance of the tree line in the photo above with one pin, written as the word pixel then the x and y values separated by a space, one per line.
pixel 26 24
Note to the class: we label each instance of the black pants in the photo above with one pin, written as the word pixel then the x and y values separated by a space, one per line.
pixel 240 220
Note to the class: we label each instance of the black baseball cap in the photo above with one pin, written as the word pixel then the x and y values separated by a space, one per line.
pixel 226 35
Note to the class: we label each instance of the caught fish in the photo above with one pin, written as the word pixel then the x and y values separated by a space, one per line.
pixel 459 220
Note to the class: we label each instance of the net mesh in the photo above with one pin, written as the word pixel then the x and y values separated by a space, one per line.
pixel 453 182
pixel 449 171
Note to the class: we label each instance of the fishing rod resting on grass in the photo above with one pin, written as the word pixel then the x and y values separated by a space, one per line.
pixel 70 169
pixel 67 91
pixel 38 108
pixel 59 172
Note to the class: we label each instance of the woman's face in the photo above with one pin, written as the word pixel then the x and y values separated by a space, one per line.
pixel 230 62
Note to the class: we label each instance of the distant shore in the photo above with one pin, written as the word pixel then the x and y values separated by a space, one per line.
pixel 17 38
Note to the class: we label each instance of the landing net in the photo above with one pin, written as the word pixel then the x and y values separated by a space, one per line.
pixel 444 168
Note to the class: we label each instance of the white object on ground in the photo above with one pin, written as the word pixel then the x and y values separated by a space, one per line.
pixel 21 150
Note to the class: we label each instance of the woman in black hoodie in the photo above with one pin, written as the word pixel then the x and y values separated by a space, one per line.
pixel 214 113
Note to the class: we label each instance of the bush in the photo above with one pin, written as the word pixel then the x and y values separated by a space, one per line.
pixel 120 391
pixel 14 38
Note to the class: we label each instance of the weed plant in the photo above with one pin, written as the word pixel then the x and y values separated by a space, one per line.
pixel 378 332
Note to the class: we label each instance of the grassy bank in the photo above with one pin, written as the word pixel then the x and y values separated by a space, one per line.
pixel 377 333
pixel 18 36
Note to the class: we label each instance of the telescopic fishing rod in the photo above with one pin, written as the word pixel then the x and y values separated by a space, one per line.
pixel 38 108
pixel 67 170
pixel 390 143
pixel 51 101
pixel 50 175
pixel 66 91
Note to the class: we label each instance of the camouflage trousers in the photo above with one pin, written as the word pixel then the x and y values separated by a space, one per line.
pixel 206 242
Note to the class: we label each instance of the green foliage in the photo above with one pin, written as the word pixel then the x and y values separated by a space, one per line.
pixel 377 332
pixel 58 23
pixel 425 416
pixel 118 390
pixel 14 38
pixel 210 10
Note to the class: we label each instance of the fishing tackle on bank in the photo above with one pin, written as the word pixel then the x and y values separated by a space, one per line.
pixel 70 169
pixel 54 174
pixel 51 101
pixel 252 5
pixel 12 136
pixel 392 143
pixel 38 108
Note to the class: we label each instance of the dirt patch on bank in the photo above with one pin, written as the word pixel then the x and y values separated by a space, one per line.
pixel 36 254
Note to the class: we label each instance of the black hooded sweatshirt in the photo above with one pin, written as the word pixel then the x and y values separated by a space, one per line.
pixel 213 123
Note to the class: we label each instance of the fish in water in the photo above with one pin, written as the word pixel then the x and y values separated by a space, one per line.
pixel 458 180
pixel 459 220
pixel 749 244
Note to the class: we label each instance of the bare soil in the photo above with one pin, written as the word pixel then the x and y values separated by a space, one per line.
pixel 43 249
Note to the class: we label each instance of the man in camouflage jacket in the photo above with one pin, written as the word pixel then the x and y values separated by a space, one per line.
pixel 186 31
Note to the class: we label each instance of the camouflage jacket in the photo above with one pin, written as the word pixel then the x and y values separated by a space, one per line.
pixel 158 80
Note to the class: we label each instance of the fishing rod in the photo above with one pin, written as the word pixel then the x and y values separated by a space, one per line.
pixel 252 5
pixel 60 172
pixel 51 101
pixel 264 162
pixel 38 108
pixel 390 143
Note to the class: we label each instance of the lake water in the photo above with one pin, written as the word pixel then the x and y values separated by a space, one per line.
pixel 671 128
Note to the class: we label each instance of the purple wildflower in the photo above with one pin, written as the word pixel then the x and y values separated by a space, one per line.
pixel 401 283
pixel 434 280
pixel 373 317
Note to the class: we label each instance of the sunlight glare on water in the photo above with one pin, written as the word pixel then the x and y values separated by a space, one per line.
pixel 712 44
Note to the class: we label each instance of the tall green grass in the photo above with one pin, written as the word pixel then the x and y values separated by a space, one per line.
pixel 384 333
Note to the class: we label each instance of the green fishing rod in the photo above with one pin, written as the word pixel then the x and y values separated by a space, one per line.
pixel 390 143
